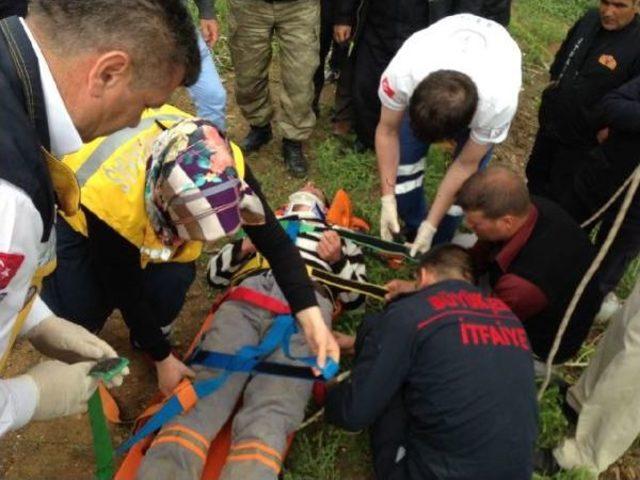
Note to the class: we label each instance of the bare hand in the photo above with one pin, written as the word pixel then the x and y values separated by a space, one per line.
pixel 318 336
pixel 602 135
pixel 341 33
pixel 209 28
pixel 171 371
pixel 330 247
pixel 399 287
pixel 345 342
pixel 247 248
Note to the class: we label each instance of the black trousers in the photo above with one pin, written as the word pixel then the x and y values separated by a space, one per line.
pixel 624 249
pixel 9 8
pixel 552 172
pixel 338 52
pixel 372 56
pixel 75 292
pixel 388 437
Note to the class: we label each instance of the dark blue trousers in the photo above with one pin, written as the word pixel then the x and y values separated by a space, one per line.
pixel 76 292
pixel 410 194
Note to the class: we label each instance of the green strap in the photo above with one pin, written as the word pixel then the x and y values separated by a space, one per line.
pixel 362 239
pixel 102 447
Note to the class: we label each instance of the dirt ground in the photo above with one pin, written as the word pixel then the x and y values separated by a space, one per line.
pixel 62 449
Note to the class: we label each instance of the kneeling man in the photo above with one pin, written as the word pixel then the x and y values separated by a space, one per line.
pixel 444 378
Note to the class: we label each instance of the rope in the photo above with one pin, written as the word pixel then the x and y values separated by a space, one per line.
pixel 634 182
pixel 606 206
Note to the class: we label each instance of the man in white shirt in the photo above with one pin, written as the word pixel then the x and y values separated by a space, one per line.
pixel 459 79
pixel 71 71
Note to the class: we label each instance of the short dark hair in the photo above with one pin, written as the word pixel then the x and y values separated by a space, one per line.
pixel 496 192
pixel 449 261
pixel 159 35
pixel 442 104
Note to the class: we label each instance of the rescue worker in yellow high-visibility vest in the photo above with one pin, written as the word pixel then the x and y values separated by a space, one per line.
pixel 149 199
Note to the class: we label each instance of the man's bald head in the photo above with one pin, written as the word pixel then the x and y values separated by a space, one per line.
pixel 495 191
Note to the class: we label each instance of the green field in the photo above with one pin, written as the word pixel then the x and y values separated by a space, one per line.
pixel 321 451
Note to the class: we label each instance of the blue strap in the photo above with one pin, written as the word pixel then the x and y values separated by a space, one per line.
pixel 245 360
pixel 292 228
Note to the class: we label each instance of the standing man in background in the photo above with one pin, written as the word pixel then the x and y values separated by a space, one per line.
pixel 71 71
pixel 296 26
pixel 600 53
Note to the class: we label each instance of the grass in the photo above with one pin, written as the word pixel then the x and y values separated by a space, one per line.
pixel 324 452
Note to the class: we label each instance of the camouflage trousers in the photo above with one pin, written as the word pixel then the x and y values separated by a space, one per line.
pixel 295 26
pixel 272 406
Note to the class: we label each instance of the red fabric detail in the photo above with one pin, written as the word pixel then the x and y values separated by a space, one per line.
pixel 257 299
pixel 511 248
pixel 524 298
pixel 471 313
pixel 386 88
pixel 320 393
pixel 9 266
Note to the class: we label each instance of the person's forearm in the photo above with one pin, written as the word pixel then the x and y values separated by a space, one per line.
pixel 460 170
pixel 388 155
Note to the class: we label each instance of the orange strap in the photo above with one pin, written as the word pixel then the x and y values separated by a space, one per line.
pixel 186 394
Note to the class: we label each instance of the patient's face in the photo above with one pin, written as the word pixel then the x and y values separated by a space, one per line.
pixel 311 188
pixel 304 205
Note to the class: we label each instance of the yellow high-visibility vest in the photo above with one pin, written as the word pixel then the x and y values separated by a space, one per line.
pixel 111 172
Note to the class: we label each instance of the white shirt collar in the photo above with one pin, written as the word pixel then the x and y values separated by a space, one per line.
pixel 63 135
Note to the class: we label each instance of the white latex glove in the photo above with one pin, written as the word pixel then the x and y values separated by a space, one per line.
pixel 63 340
pixel 388 217
pixel 62 389
pixel 423 239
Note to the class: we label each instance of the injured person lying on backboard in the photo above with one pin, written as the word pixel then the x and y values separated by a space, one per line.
pixel 271 407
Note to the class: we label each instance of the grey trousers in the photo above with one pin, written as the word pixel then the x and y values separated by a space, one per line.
pixel 272 406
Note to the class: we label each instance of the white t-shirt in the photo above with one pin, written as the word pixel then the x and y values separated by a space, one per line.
pixel 475 46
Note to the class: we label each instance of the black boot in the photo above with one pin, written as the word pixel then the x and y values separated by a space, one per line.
pixel 294 157
pixel 256 138
pixel 544 462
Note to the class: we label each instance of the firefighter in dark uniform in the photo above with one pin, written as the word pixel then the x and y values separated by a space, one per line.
pixel 444 378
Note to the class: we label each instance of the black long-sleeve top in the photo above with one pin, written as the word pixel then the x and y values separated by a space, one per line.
pixel 606 166
pixel 590 63
pixel 118 263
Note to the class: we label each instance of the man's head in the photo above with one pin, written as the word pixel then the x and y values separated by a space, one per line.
pixel 496 203
pixel 445 262
pixel 617 14
pixel 111 59
pixel 442 104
